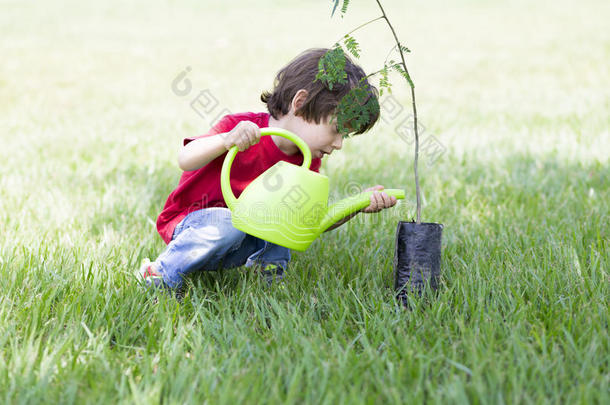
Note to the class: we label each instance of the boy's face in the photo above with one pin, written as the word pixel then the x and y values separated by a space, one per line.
pixel 322 138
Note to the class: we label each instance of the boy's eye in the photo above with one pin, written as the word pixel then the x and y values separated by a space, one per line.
pixel 343 134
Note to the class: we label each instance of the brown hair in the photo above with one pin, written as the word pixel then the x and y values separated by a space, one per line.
pixel 321 102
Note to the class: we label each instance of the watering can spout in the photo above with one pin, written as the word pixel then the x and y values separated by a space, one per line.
pixel 347 206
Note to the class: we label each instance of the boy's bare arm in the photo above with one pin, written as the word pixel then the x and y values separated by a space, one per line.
pixel 199 152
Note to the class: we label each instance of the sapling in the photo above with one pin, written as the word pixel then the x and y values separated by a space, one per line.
pixel 418 245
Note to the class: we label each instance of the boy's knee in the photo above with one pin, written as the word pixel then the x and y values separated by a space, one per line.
pixel 232 237
pixel 220 229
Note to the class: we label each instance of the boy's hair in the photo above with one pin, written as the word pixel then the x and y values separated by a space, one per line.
pixel 321 102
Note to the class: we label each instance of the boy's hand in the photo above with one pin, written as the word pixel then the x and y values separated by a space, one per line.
pixel 379 200
pixel 244 135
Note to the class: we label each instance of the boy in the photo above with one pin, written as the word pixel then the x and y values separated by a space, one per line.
pixel 195 222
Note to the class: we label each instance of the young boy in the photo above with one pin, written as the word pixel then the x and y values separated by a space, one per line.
pixel 196 223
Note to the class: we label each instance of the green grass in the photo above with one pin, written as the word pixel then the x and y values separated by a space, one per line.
pixel 518 93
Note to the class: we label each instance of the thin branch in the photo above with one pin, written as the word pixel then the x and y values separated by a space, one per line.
pixel 389 53
pixel 358 27
pixel 378 71
pixel 402 56
pixel 408 78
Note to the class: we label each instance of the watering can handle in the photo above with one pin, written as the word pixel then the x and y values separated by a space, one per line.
pixel 225 174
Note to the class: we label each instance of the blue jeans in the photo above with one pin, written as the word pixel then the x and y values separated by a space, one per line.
pixel 206 240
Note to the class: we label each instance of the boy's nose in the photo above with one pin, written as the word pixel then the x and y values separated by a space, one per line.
pixel 338 144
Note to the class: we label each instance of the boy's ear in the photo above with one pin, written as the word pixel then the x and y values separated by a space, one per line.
pixel 299 99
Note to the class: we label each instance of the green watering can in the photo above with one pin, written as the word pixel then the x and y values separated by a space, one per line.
pixel 288 204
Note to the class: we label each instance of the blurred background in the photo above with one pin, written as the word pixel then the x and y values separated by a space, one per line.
pixel 91 121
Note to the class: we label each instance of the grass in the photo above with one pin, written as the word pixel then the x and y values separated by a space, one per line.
pixel 517 93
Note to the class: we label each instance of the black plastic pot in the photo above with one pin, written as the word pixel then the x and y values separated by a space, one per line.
pixel 417 258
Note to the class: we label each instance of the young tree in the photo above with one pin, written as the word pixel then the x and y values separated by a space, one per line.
pixel 355 108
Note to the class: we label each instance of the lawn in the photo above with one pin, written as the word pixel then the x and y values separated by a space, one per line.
pixel 517 94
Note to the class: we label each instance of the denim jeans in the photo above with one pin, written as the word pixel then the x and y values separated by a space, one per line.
pixel 206 240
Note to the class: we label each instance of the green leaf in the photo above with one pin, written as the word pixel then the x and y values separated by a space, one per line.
pixel 356 109
pixel 331 67
pixel 384 81
pixel 404 49
pixel 352 45
pixel 343 7
pixel 398 67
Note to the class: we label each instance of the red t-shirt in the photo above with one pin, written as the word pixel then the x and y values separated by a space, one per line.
pixel 200 188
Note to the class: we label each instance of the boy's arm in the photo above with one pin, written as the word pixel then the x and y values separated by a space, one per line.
pixel 199 152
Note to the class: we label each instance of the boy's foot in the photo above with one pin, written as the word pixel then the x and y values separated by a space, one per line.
pixel 272 273
pixel 149 275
